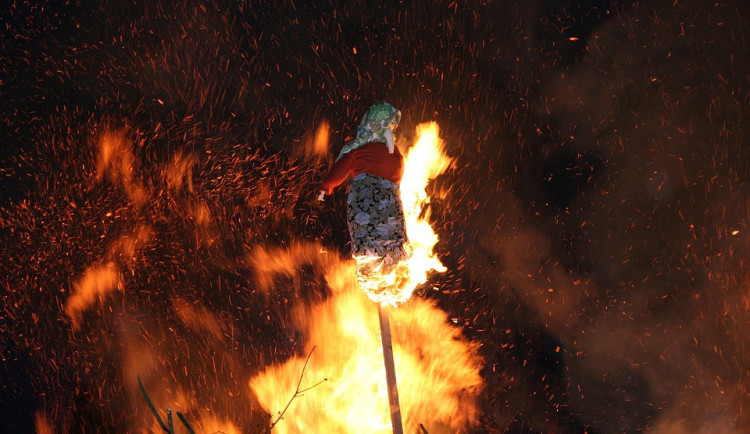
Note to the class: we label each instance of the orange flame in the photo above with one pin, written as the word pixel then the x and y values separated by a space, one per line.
pixel 116 160
pixel 100 279
pixel 94 285
pixel 424 162
pixel 179 172
pixel 437 370
pixel 42 423
pixel 315 146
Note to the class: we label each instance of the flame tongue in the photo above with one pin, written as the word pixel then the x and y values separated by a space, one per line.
pixel 424 162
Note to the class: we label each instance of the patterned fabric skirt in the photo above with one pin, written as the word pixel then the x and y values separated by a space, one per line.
pixel 376 227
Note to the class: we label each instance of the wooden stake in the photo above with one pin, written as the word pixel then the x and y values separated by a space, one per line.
pixel 390 371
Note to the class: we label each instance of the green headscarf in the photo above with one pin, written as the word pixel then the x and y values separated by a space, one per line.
pixel 377 125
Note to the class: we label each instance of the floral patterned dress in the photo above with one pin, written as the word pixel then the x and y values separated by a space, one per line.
pixel 376 224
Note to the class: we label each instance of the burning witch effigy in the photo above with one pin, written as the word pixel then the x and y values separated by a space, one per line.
pixel 392 245
pixel 375 214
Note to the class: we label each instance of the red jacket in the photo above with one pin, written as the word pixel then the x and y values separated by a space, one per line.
pixel 372 158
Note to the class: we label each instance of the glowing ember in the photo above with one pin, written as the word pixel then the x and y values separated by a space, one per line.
pixel 424 162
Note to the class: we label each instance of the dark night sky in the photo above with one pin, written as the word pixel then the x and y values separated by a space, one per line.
pixel 594 223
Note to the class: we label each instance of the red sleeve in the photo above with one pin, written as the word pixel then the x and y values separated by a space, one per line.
pixel 338 174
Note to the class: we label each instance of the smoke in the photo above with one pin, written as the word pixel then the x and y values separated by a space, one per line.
pixel 643 187
pixel 650 218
